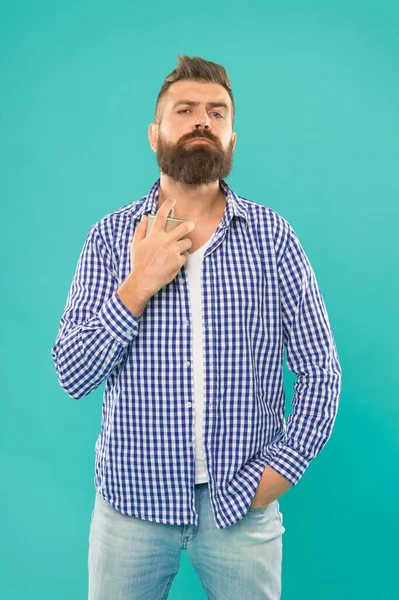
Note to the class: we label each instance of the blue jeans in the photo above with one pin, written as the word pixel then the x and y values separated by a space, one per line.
pixel 136 559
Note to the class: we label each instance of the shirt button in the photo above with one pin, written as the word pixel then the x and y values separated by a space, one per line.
pixel 188 404
pixel 188 363
pixel 187 323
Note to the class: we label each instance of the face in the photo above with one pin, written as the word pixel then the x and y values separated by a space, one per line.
pixel 190 110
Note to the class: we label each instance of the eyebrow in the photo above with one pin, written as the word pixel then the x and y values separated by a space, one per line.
pixel 192 103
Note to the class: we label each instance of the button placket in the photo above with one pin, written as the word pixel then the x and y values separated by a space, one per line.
pixel 187 334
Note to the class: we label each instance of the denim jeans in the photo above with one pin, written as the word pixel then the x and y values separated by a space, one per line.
pixel 136 559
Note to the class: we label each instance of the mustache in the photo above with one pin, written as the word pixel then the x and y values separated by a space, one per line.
pixel 202 134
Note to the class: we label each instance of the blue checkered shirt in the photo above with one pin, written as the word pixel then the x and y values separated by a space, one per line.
pixel 260 296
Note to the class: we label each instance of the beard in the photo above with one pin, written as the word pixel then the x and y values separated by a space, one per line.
pixel 195 163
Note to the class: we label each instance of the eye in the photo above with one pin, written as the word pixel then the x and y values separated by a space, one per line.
pixel 214 112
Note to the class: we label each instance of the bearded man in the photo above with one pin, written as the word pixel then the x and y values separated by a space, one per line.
pixel 187 327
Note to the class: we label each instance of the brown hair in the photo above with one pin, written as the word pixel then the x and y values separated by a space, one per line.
pixel 198 69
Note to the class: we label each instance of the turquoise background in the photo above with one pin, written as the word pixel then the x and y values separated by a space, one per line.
pixel 317 95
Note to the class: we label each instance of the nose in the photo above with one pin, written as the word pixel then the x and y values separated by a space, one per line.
pixel 203 122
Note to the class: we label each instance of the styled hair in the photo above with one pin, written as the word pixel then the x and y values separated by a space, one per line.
pixel 197 69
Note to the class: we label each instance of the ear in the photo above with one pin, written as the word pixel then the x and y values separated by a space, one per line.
pixel 153 136
pixel 234 139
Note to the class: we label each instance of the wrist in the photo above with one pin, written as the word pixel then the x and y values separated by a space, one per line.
pixel 133 295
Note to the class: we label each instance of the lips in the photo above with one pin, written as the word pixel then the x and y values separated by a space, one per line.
pixel 200 140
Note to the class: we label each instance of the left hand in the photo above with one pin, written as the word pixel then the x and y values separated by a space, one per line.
pixel 257 501
pixel 271 486
pixel 252 505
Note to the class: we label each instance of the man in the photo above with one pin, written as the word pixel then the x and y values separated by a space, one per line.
pixel 188 328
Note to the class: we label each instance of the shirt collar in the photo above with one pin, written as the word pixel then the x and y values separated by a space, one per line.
pixel 235 206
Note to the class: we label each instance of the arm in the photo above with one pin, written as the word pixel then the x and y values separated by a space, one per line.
pixel 312 356
pixel 96 327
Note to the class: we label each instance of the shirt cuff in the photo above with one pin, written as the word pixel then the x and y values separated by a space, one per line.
pixel 117 319
pixel 287 462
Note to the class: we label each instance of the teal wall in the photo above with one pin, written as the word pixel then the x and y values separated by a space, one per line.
pixel 317 95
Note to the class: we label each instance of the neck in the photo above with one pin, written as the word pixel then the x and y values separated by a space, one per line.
pixel 197 203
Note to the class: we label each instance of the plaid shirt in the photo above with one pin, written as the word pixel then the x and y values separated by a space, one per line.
pixel 260 295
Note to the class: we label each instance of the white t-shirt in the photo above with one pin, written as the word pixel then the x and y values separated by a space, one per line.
pixel 194 275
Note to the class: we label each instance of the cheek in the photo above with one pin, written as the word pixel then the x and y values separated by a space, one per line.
pixel 172 132
pixel 226 142
pixel 225 135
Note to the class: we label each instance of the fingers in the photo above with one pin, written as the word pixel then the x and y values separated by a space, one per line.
pixel 159 225
pixel 183 245
pixel 181 230
pixel 162 214
pixel 140 230
pixel 161 217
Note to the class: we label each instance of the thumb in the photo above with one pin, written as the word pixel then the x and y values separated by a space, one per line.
pixel 140 231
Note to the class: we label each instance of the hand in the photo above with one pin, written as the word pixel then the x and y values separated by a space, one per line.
pixel 252 505
pixel 256 503
pixel 271 486
pixel 157 258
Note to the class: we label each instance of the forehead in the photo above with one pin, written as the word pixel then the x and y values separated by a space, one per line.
pixel 196 91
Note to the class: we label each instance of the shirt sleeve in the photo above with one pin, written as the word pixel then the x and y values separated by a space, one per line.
pixel 312 355
pixel 96 328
